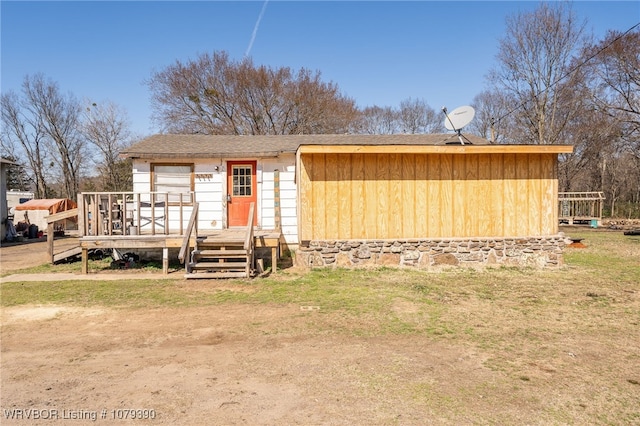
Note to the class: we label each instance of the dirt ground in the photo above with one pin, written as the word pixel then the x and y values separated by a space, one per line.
pixel 198 367
pixel 248 364
pixel 253 365
pixel 229 365
pixel 15 256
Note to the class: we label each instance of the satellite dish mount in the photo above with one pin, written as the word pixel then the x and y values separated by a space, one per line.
pixel 457 119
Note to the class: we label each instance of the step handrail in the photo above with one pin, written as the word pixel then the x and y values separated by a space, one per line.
pixel 248 242
pixel 193 222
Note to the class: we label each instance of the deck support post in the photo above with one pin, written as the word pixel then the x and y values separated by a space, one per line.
pixel 165 261
pixel 274 259
pixel 85 260
pixel 50 236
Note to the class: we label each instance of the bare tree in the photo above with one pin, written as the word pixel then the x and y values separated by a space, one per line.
pixel 534 58
pixel 315 107
pixel 613 69
pixel 416 116
pixel 58 117
pixel 106 127
pixel 412 116
pixel 593 136
pixel 622 180
pixel 489 107
pixel 377 120
pixel 215 95
pixel 606 133
pixel 23 138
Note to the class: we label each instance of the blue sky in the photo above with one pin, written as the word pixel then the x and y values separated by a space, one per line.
pixel 378 53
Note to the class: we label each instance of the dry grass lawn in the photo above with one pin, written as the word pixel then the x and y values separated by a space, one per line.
pixel 335 347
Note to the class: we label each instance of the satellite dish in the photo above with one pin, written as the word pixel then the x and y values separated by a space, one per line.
pixel 458 118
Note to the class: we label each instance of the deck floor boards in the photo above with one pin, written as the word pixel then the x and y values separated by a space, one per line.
pixel 263 239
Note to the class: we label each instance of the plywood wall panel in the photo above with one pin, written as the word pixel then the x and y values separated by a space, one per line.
pixel 396 205
pixel 345 182
pixel 382 193
pixel 534 184
pixel 332 199
pixel 497 188
pixel 460 214
pixel 394 195
pixel 522 200
pixel 306 194
pixel 445 216
pixel 549 194
pixel 482 195
pixel 475 197
pixel 510 213
pixel 434 199
pixel 371 197
pixel 357 220
pixel 408 194
pixel 318 204
pixel 421 191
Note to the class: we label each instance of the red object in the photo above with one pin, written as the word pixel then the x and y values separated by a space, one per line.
pixel 53 205
pixel 576 243
pixel 242 187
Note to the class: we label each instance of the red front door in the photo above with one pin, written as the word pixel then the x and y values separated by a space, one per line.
pixel 242 189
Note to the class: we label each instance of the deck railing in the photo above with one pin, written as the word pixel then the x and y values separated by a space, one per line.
pixel 134 213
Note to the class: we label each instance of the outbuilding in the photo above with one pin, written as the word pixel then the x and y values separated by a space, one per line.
pixel 36 211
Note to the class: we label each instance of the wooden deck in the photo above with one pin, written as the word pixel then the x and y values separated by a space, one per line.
pixel 270 239
pixel 154 221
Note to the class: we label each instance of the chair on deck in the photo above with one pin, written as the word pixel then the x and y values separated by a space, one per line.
pixel 153 215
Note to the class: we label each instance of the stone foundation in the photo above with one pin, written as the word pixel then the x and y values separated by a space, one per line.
pixel 436 253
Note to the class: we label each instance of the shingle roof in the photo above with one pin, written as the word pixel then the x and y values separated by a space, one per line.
pixel 225 146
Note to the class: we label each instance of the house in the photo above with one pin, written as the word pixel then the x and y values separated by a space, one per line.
pixel 4 211
pixel 421 200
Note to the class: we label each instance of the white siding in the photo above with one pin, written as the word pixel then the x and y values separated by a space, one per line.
pixel 210 187
pixel 285 165
pixel 141 176
pixel 209 194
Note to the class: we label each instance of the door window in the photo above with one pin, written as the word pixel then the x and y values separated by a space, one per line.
pixel 242 180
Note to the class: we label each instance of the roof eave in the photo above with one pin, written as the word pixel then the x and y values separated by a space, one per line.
pixel 436 149
pixel 165 155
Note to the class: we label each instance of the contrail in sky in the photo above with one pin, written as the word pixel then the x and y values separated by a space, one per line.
pixel 255 29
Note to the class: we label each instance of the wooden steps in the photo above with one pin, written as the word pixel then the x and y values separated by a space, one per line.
pixel 216 275
pixel 219 258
